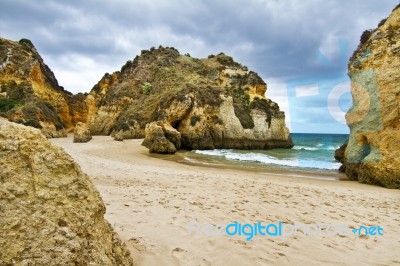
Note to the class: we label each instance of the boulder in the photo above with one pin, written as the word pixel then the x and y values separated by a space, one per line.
pixel 50 131
pixel 339 153
pixel 119 136
pixel 50 212
pixel 340 156
pixel 128 132
pixel 82 133
pixel 162 138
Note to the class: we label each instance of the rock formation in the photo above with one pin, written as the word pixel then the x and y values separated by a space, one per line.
pixel 213 103
pixel 82 133
pixel 340 156
pixel 162 138
pixel 373 152
pixel 50 212
pixel 30 93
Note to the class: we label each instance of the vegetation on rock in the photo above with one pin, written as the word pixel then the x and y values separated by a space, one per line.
pixel 151 81
pixel 158 85
pixel 30 93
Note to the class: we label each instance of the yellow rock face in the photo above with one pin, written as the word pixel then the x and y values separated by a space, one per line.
pixel 41 101
pixel 48 94
pixel 50 211
pixel 373 152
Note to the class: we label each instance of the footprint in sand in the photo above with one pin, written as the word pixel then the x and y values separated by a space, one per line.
pixel 182 255
pixel 135 242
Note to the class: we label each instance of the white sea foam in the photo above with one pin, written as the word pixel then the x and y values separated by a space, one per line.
pixel 332 148
pixel 261 158
pixel 305 148
pixel 319 147
pixel 231 155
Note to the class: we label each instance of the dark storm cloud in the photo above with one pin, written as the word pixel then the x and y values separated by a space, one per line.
pixel 280 40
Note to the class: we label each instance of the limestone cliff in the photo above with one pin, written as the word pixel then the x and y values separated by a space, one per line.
pixel 213 102
pixel 30 93
pixel 373 151
pixel 50 212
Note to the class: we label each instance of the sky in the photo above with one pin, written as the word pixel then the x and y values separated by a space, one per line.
pixel 299 47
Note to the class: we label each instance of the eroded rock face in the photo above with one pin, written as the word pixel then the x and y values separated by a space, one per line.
pixel 30 93
pixel 162 138
pixel 50 212
pixel 213 102
pixel 219 127
pixel 82 133
pixel 373 152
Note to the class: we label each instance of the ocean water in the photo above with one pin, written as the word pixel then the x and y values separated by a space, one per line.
pixel 311 151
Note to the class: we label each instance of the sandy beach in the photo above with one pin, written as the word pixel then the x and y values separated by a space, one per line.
pixel 168 213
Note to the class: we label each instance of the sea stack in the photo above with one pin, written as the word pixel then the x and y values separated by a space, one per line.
pixel 213 103
pixel 373 152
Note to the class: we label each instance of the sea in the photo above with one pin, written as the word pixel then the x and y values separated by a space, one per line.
pixel 312 153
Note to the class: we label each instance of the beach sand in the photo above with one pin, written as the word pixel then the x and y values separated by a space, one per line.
pixel 151 203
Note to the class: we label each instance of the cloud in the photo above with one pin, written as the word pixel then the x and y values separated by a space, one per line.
pixel 280 40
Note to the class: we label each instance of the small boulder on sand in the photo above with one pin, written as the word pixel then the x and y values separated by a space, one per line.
pixel 162 138
pixel 82 133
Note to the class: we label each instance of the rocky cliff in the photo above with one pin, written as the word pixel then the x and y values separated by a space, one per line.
pixel 50 212
pixel 373 151
pixel 30 93
pixel 213 102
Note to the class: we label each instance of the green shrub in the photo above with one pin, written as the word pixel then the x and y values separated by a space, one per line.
pixel 146 88
pixel 242 112
pixel 382 22
pixel 8 104
pixel 391 32
pixel 32 123
pixel 226 60
pixel 365 36
pixel 208 95
pixel 26 44
pixel 120 125
pixel 241 102
pixel 37 108
pixel 18 91
pixel 127 65
pixel 194 119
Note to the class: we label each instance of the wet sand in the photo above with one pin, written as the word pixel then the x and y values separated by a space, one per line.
pixel 162 209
